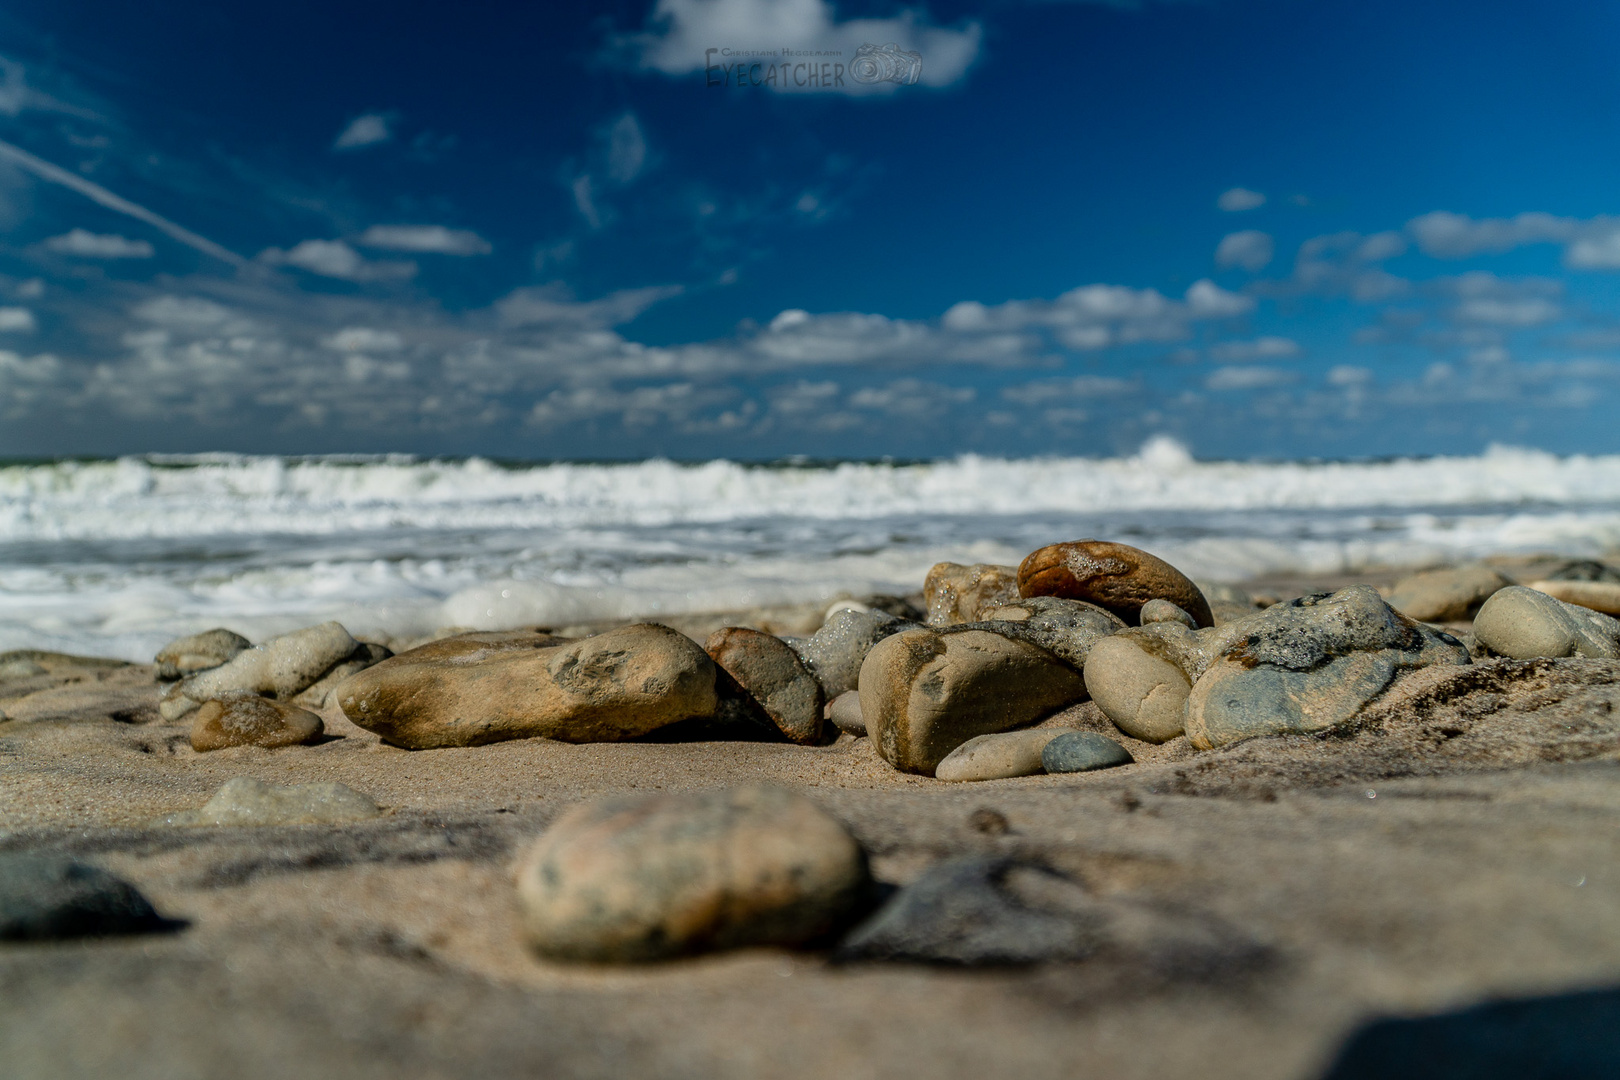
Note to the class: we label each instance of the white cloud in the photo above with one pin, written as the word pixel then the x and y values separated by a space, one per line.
pixel 427 239
pixel 1233 200
pixel 1251 249
pixel 1526 311
pixel 91 245
pixel 1205 299
pixel 680 31
pixel 911 398
pixel 363 339
pixel 554 305
pixel 1600 251
pixel 1055 391
pixel 1446 235
pixel 585 202
pixel 1261 348
pixel 335 259
pixel 1248 378
pixel 1348 375
pixel 17 320
pixel 368 129
pixel 627 149
pixel 1347 262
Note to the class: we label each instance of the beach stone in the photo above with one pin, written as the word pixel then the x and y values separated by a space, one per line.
pixel 1157 611
pixel 954 593
pixel 1601 596
pixel 1307 665
pixel 774 676
pixel 845 713
pixel 1585 570
pixel 653 877
pixel 243 800
pixel 281 667
pixel 365 654
pixel 1141 679
pixel 997 756
pixel 243 719
pixel 835 652
pixel 621 684
pixel 21 668
pixel 925 693
pixel 1524 623
pixel 1083 751
pixel 1065 628
pixel 199 652
pixel 1117 577
pixel 54 897
pixel 1452 594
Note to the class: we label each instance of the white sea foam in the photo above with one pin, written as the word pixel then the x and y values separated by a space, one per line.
pixel 115 557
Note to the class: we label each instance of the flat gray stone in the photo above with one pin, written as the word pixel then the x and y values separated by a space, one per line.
pixel 246 801
pixel 1083 751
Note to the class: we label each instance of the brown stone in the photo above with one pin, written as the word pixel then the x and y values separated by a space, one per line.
pixel 765 666
pixel 653 877
pixel 1117 577
pixel 621 684
pixel 955 593
pixel 244 719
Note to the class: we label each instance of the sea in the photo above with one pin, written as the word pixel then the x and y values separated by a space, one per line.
pixel 117 557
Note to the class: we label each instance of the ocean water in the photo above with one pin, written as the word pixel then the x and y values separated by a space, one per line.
pixel 115 558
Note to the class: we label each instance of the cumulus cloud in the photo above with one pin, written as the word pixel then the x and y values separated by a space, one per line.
pixel 1348 375
pixel 1099 316
pixel 425 239
pixel 1598 251
pixel 1234 200
pixel 1349 263
pixel 1485 298
pixel 1445 235
pixel 1054 391
pixel 679 32
pixel 554 305
pixel 17 320
pixel 335 259
pixel 585 201
pixel 368 129
pixel 363 339
pixel 89 245
pixel 1251 249
pixel 626 149
pixel 911 398
pixel 1248 377
pixel 1261 348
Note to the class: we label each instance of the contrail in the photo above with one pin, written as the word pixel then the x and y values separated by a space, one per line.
pixel 96 193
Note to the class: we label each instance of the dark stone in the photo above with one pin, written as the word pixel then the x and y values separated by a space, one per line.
pixel 1083 751
pixel 47 898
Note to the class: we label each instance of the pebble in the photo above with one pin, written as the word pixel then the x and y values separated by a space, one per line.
pixel 998 756
pixel 243 719
pixel 316 694
pixel 54 897
pixel 1306 665
pixel 924 693
pixel 199 652
pixel 653 877
pixel 835 652
pixel 243 800
pixel 774 676
pixel 1524 624
pixel 280 667
pixel 1157 611
pixel 845 713
pixel 954 593
pixel 1453 594
pixel 1601 596
pixel 1117 577
pixel 1065 628
pixel 1083 751
pixel 621 684
pixel 1141 679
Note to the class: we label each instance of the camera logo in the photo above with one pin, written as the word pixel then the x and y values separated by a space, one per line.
pixel 886 63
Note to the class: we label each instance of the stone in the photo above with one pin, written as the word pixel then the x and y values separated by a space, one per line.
pixel 243 719
pixel 1083 751
pixel 845 713
pixel 1307 665
pixel 1452 594
pixel 1117 577
pixel 954 593
pixel 621 684
pixel 834 653
pixel 1601 596
pixel 243 800
pixel 997 756
pixel 1157 611
pixel 1585 570
pixel 654 877
pixel 1525 623
pixel 315 695
pixel 21 668
pixel 774 676
pixel 925 693
pixel 54 897
pixel 199 652
pixel 1141 679
pixel 281 667
pixel 1065 628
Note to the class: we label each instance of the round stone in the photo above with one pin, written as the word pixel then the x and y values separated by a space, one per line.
pixel 998 756
pixel 1083 751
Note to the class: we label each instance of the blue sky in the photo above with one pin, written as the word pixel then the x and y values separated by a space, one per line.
pixel 1269 228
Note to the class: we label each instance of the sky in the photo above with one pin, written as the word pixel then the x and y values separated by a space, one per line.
pixel 751 229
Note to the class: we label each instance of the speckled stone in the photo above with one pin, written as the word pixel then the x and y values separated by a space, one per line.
pixel 198 652
pixel 773 674
pixel 246 801
pixel 243 719
pixel 1524 624
pixel 1083 751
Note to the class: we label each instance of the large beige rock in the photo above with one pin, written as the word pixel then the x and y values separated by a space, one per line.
pixel 774 676
pixel 618 685
pixel 1526 623
pixel 281 667
pixel 1601 596
pixel 1117 577
pixel 243 719
pixel 954 593
pixel 652 877
pixel 1141 680
pixel 1453 594
pixel 924 693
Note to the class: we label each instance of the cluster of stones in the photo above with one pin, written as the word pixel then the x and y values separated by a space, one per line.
pixel 959 694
